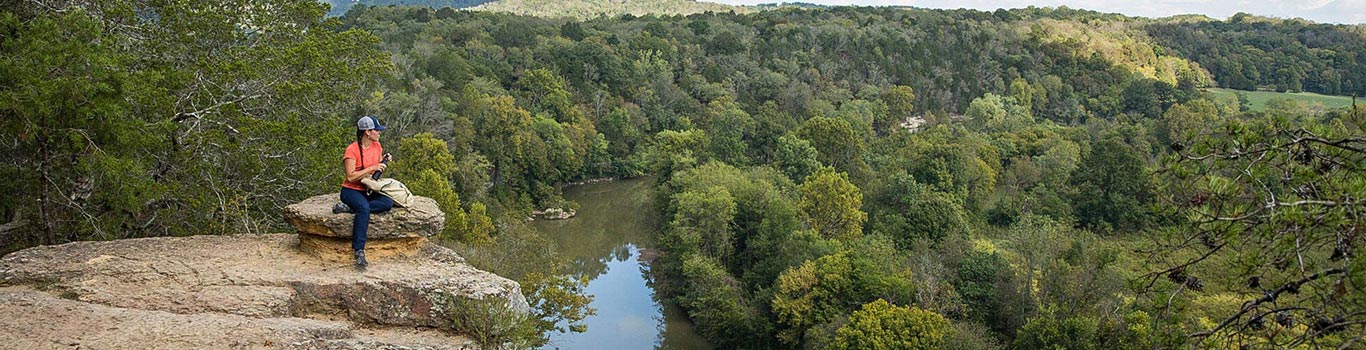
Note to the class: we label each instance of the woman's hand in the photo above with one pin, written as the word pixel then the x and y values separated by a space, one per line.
pixel 378 167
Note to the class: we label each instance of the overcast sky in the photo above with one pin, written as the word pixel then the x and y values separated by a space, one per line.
pixel 1323 11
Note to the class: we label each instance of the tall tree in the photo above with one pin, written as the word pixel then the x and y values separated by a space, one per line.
pixel 838 144
pixel 124 121
pixel 1112 191
pixel 900 102
pixel 832 205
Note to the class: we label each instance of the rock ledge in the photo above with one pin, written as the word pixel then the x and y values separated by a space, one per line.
pixel 314 216
pixel 398 232
pixel 248 291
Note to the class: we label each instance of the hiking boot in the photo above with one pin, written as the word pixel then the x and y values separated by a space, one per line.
pixel 361 264
pixel 341 208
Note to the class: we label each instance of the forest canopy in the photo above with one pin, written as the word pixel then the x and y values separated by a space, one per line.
pixel 826 177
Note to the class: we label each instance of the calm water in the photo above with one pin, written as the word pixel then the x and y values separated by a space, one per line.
pixel 610 242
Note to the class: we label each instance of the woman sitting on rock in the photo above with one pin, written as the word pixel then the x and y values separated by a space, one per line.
pixel 363 158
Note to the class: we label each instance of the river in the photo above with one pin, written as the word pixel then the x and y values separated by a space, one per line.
pixel 611 243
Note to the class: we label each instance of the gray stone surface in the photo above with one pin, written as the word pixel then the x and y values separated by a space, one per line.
pixel 183 292
pixel 38 320
pixel 314 216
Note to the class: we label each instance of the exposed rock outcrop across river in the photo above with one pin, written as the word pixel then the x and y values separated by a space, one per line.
pixel 234 292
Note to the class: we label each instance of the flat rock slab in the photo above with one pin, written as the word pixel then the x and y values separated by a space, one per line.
pixel 254 276
pixel 314 216
pixel 38 320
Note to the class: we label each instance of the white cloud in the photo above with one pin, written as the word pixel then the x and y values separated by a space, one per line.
pixel 1314 4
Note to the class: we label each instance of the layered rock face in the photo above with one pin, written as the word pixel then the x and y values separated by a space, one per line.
pixel 243 292
pixel 398 232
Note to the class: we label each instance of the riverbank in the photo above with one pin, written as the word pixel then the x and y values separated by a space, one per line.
pixel 611 243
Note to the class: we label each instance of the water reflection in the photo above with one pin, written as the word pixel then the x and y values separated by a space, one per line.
pixel 610 243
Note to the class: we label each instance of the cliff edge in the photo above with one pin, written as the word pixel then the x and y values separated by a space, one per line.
pixel 236 292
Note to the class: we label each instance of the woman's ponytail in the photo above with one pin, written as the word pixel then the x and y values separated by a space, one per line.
pixel 360 134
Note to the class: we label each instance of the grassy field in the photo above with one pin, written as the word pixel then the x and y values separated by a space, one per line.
pixel 1258 98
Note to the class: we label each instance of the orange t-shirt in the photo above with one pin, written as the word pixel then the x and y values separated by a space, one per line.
pixel 372 157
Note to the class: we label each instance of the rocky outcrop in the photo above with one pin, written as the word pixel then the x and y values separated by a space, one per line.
pixel 314 216
pixel 251 291
pixel 554 213
pixel 398 232
pixel 38 320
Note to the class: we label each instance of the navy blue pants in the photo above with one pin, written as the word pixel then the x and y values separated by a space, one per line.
pixel 363 205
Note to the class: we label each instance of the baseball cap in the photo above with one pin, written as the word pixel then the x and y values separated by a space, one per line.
pixel 367 123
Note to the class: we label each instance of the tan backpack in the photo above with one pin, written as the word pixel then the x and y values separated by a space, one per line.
pixel 390 188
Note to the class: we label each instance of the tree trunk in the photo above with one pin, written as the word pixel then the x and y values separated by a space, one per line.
pixel 44 215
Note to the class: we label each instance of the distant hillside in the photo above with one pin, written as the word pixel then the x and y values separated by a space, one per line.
pixel 339 7
pixel 543 8
pixel 594 8
pixel 1250 52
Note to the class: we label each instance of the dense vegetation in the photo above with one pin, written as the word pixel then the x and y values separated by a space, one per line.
pixel 585 9
pixel 1070 186
pixel 340 7
pixel 1248 53
pixel 582 9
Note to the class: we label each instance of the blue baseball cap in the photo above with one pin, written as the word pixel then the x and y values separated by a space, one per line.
pixel 367 123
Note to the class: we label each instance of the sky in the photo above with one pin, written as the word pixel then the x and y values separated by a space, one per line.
pixel 1322 11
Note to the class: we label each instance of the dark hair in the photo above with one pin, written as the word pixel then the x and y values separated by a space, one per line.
pixel 360 134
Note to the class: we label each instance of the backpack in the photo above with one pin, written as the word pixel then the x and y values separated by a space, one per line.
pixel 390 188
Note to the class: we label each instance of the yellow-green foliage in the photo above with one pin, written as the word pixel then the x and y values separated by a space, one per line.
pixel 798 296
pixel 584 9
pixel 1120 42
pixel 881 325
pixel 479 225
pixel 423 151
pixel 819 291
pixel 430 184
pixel 831 204
pixel 432 166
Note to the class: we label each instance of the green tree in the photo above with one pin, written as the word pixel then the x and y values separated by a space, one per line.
pixel 428 183
pixel 900 101
pixel 820 291
pixel 837 143
pixel 506 135
pixel 910 211
pixel 1029 96
pixel 557 300
pixel 1038 240
pixel 1185 122
pixel 1112 190
pixel 729 128
pixel 1052 333
pixel 995 113
pixel 678 150
pixel 864 116
pixel 123 122
pixel 879 325
pixel 706 215
pixel 988 285
pixel 422 152
pixel 546 91
pixel 796 158
pixel 832 205
pixel 719 305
